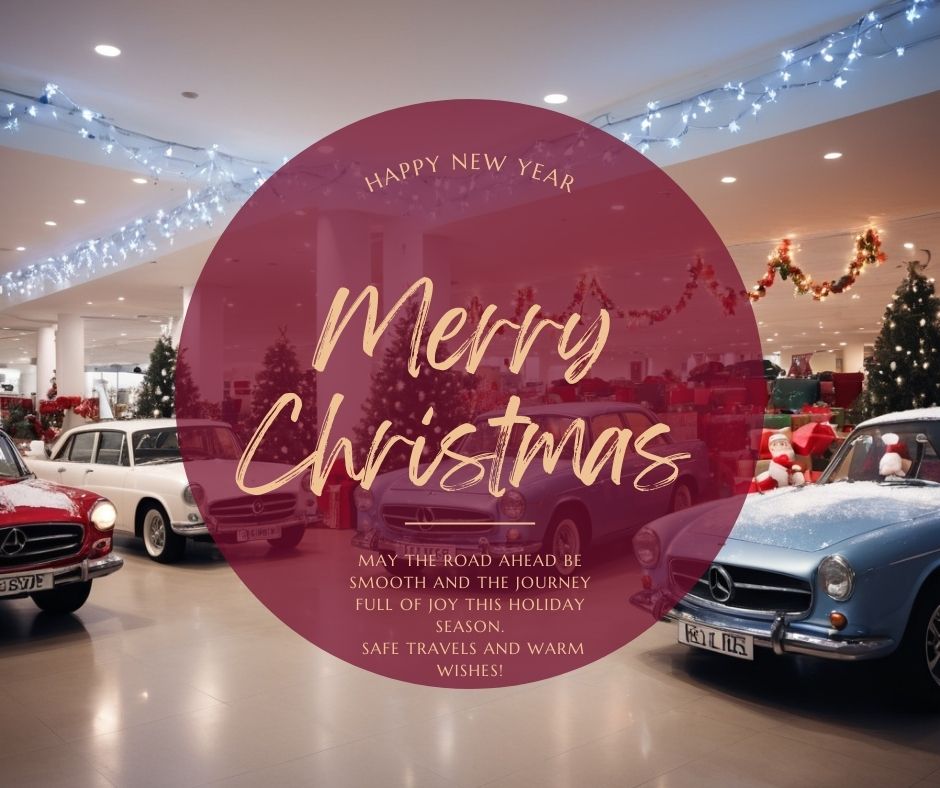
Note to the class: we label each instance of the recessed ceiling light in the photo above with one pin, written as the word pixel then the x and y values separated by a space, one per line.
pixel 728 179
pixel 120 298
pixel 79 201
pixel 843 344
pixel 908 245
pixel 49 223
pixel 770 339
pixel 189 94
pixel 107 50
pixel 832 155
pixel 20 248
pixel 123 334
pixel 617 207
pixel 139 180
pixel 555 98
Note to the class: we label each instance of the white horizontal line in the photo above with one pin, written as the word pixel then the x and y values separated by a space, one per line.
pixel 466 522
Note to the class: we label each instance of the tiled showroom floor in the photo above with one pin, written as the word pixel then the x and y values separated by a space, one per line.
pixel 177 676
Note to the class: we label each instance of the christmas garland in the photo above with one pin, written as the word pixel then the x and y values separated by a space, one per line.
pixel 867 252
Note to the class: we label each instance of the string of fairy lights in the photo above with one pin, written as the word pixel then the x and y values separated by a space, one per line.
pixel 217 179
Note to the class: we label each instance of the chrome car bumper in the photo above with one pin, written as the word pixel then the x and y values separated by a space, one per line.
pixel 190 529
pixel 89 569
pixel 373 540
pixel 778 634
pixel 203 529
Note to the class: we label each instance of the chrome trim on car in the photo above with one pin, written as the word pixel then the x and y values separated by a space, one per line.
pixel 89 569
pixel 778 635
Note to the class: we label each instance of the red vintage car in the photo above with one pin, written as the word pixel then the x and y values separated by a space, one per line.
pixel 54 540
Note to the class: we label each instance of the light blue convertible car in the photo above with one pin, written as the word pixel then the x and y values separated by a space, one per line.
pixel 848 568
pixel 549 514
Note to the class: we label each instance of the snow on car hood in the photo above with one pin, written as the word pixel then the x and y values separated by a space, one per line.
pixel 36 494
pixel 814 517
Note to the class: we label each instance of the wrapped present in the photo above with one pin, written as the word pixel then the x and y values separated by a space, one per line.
pixel 679 395
pixel 813 438
pixel 798 420
pixel 848 385
pixel 827 391
pixel 793 393
pixel 702 396
pixel 838 417
pixel 776 421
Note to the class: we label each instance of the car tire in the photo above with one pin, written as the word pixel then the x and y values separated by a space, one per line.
pixel 682 497
pixel 917 658
pixel 162 544
pixel 289 539
pixel 64 599
pixel 565 536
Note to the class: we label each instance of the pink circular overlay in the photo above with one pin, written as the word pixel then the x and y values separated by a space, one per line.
pixel 487 211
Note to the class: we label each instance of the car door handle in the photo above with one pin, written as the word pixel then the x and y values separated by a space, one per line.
pixel 61 470
pixel 89 470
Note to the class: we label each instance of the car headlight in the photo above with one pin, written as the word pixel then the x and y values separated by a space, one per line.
pixel 512 505
pixel 837 577
pixel 363 499
pixel 103 515
pixel 646 547
pixel 193 494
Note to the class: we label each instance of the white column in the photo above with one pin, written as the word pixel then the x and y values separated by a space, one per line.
pixel 853 357
pixel 343 260
pixel 45 360
pixel 70 355
pixel 187 293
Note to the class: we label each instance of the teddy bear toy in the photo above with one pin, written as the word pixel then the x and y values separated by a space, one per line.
pixel 783 470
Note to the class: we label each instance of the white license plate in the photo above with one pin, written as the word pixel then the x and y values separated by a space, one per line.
pixel 23 584
pixel 710 639
pixel 258 532
pixel 424 550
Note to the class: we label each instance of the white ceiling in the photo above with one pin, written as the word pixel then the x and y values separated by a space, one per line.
pixel 272 81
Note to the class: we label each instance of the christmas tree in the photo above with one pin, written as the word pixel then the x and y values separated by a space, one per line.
pixel 403 400
pixel 281 374
pixel 904 371
pixel 156 393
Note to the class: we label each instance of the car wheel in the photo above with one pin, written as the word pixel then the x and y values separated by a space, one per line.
pixel 917 659
pixel 62 600
pixel 564 538
pixel 162 544
pixel 682 497
pixel 289 539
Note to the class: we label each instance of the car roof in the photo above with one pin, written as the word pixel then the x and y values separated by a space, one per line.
pixel 917 414
pixel 573 409
pixel 135 425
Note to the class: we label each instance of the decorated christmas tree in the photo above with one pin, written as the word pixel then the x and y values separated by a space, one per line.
pixel 403 400
pixel 904 371
pixel 156 395
pixel 282 374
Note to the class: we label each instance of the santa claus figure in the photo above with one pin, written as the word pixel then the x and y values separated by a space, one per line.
pixel 894 462
pixel 783 470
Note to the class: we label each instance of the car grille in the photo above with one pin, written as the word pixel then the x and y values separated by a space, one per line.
pixel 754 589
pixel 435 520
pixel 253 510
pixel 44 542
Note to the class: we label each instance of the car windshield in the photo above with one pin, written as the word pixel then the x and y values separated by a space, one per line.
pixel 483 441
pixel 162 445
pixel 11 466
pixel 911 449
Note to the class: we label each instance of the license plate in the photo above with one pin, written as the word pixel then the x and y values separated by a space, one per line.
pixel 424 550
pixel 258 532
pixel 710 639
pixel 23 584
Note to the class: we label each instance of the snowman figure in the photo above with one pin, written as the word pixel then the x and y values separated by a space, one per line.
pixel 783 470
pixel 894 463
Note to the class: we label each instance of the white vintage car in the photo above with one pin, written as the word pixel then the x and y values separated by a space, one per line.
pixel 137 465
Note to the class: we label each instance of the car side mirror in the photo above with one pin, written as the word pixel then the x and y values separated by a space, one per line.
pixel 38 451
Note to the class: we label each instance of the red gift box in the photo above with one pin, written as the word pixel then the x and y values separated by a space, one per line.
pixel 813 438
